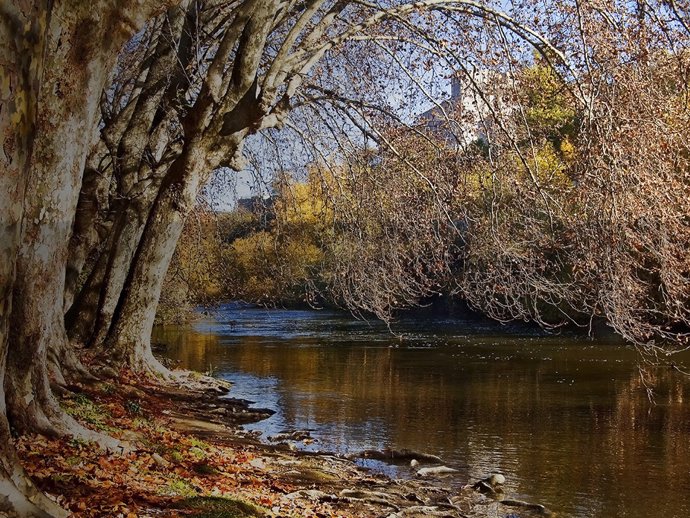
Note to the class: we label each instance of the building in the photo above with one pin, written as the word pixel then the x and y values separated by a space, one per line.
pixel 465 117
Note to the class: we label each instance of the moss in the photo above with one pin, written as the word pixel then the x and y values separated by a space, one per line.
pixel 176 456
pixel 216 507
pixel 74 460
pixel 179 487
pixel 141 423
pixel 197 453
pixel 198 443
pixel 107 388
pixel 83 409
pixel 313 475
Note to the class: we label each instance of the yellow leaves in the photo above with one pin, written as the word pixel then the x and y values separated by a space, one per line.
pixel 303 203
pixel 567 149
pixel 549 109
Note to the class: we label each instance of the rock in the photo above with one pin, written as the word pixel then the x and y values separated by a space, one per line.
pixel 490 484
pixel 311 494
pixel 258 463
pixel 160 461
pixel 421 511
pixel 372 497
pixel 414 463
pixel 360 494
pixel 496 479
pixel 526 505
pixel 436 471
pixel 484 487
pixel 294 435
pixel 413 497
pixel 403 455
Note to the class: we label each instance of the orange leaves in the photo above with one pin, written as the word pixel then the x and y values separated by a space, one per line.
pixel 164 468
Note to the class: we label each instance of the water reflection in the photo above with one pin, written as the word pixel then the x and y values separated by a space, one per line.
pixel 567 420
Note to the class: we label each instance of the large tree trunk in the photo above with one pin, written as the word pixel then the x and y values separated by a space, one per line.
pixel 18 496
pixel 73 78
pixel 129 341
pixel 208 144
pixel 126 237
pixel 90 225
pixel 22 34
pixel 80 51
pixel 145 134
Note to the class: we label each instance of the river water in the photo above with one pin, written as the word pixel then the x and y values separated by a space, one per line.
pixel 566 419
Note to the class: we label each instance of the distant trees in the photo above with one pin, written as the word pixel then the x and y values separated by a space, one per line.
pixel 545 217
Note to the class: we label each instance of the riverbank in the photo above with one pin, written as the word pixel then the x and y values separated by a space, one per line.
pixel 183 454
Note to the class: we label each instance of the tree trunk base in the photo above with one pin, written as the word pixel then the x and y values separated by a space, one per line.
pixel 18 496
pixel 39 412
pixel 17 504
pixel 64 366
pixel 139 359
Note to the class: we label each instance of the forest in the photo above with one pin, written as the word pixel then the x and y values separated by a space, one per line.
pixel 552 187
pixel 519 230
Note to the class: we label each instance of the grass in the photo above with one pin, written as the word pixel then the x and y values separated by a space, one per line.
pixel 176 456
pixel 217 507
pixel 179 487
pixel 203 468
pixel 84 409
pixel 198 443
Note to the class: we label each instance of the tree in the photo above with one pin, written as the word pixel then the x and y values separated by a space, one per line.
pixel 56 60
pixel 238 69
pixel 200 79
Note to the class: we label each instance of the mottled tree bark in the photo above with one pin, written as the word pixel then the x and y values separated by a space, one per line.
pixel 22 36
pixel 225 95
pixel 81 47
pixel 140 143
pixel 130 335
pixel 89 226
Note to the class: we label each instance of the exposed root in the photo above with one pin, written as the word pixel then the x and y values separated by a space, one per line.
pixel 51 420
pixel 64 365
pixel 137 359
pixel 69 427
pixel 27 504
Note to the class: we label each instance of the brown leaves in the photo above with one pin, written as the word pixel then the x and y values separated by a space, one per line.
pixel 165 468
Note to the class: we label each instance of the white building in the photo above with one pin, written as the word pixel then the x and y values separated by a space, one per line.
pixel 465 117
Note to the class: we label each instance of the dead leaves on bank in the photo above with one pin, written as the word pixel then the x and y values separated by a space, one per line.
pixel 166 473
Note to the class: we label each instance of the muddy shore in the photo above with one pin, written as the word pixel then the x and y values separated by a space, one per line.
pixel 184 453
pixel 334 485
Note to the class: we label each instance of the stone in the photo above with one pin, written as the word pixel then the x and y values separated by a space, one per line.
pixel 160 461
pixel 436 471
pixel 526 505
pixel 491 484
pixel 496 479
pixel 258 463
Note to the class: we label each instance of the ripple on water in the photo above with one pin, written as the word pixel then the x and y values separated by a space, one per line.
pixel 566 419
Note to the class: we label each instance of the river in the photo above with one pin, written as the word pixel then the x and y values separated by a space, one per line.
pixel 566 419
